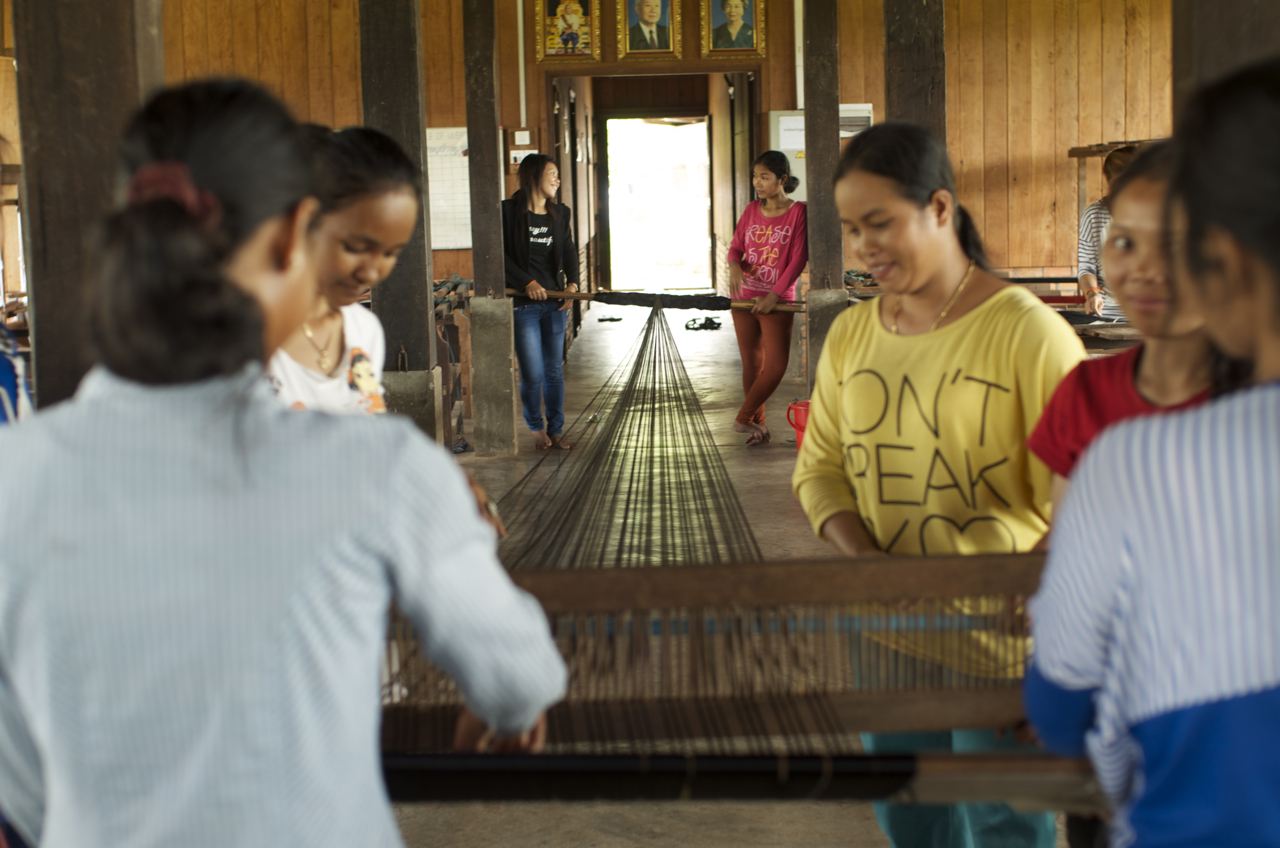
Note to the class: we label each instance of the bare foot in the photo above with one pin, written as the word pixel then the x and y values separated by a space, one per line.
pixel 755 433
pixel 557 441
pixel 541 441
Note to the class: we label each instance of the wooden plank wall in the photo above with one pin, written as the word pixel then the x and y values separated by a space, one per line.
pixel 306 51
pixel 1026 81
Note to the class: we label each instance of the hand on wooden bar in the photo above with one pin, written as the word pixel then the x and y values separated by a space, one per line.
pixel 472 736
pixel 569 289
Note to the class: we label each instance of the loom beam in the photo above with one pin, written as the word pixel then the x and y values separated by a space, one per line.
pixel 1028 781
pixel 772 584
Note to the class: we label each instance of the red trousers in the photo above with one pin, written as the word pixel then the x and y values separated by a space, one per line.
pixel 765 344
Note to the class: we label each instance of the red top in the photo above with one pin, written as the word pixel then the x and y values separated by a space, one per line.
pixel 777 248
pixel 1098 393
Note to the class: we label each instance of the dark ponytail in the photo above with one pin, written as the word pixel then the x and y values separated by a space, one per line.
pixel 358 162
pixel 161 308
pixel 918 165
pixel 778 163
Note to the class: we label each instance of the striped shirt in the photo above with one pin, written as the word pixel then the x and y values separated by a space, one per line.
pixel 1157 624
pixel 194 589
pixel 1093 235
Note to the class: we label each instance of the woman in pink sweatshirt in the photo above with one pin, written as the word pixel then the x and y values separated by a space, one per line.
pixel 770 248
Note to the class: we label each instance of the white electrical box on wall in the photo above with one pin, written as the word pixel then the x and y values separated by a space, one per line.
pixel 786 133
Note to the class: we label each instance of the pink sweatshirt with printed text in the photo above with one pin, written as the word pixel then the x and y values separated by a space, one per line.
pixel 775 249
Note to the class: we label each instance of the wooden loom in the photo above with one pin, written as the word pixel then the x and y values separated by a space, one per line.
pixel 808 654
pixel 752 675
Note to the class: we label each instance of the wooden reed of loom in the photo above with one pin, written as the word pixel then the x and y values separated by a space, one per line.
pixel 735 304
pixel 758 658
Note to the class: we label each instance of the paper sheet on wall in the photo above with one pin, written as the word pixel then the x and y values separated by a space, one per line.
pixel 449 179
pixel 791 132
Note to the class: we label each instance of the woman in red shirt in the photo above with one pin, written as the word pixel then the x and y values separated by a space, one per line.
pixel 770 248
pixel 1176 367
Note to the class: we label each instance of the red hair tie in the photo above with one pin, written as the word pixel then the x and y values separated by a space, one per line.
pixel 172 181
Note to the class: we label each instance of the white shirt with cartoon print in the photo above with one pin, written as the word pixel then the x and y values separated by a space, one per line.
pixel 355 388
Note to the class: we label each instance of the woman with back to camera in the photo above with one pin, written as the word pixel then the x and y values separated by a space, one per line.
pixel 369 194
pixel 1156 621
pixel 916 441
pixel 770 248
pixel 190 651
pixel 537 238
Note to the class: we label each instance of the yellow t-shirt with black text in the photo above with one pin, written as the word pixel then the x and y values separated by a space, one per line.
pixel 925 436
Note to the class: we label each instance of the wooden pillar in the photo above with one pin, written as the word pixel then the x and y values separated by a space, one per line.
pixel 83 69
pixel 1212 39
pixel 826 298
pixel 495 400
pixel 394 96
pixel 915 71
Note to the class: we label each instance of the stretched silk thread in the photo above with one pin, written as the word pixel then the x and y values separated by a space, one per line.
pixel 648 489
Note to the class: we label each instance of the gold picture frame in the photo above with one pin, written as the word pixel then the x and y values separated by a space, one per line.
pixel 666 31
pixel 718 41
pixel 568 31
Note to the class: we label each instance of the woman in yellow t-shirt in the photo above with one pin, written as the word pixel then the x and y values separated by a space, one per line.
pixel 922 404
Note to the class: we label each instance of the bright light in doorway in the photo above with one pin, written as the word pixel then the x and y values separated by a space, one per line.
pixel 659 205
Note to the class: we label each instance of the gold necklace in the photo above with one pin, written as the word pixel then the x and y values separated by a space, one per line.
pixel 326 364
pixel 943 314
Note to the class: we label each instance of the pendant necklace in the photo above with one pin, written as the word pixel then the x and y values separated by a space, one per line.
pixel 326 364
pixel 943 314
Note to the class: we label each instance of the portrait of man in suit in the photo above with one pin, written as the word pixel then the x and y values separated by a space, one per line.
pixel 646 33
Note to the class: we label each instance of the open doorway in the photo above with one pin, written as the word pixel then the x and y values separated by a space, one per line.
pixel 659 203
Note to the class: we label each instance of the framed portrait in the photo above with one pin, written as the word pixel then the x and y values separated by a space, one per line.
pixel 649 29
pixel 732 28
pixel 568 30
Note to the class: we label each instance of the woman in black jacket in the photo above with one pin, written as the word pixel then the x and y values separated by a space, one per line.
pixel 537 237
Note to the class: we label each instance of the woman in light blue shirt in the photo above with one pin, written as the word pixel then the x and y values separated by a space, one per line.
pixel 191 623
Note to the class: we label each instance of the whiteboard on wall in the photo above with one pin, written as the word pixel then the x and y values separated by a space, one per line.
pixel 449 187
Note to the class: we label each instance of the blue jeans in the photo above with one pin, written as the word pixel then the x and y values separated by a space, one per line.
pixel 540 352
pixel 962 825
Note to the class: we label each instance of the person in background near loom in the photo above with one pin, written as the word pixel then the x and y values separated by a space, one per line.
pixel 369 194
pixel 1176 368
pixel 1093 233
pixel 1158 614
pixel 916 443
pixel 537 238
pixel 770 248
pixel 190 650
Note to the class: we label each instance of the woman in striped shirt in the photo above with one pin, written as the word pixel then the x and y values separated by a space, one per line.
pixel 191 618
pixel 1093 235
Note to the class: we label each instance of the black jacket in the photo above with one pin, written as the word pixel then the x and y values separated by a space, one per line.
pixel 515 244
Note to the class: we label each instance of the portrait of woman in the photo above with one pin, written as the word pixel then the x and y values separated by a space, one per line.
pixel 733 26
pixel 736 33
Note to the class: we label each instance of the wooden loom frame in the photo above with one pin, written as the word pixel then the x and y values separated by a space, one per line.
pixel 1031 781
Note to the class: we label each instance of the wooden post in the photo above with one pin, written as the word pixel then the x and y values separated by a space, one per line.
pixel 394 96
pixel 495 401
pixel 915 73
pixel 83 69
pixel 1212 39
pixel 826 298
